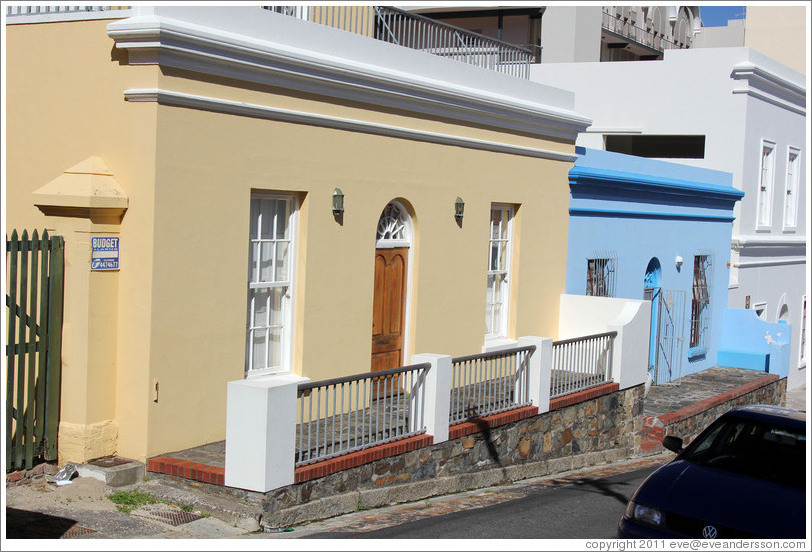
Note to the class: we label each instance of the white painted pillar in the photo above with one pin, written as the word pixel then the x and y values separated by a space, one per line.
pixel 541 368
pixel 261 432
pixel 438 394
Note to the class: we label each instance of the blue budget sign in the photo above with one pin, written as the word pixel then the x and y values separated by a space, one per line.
pixel 103 253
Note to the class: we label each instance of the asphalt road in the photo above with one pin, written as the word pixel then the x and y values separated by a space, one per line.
pixel 585 509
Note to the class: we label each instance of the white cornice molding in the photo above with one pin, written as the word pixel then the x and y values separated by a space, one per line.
pixel 761 241
pixel 153 39
pixel 179 99
pixel 761 83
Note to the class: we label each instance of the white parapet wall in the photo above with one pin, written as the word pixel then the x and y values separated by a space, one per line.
pixel 581 315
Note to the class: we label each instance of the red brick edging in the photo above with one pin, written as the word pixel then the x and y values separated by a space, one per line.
pixel 216 475
pixel 585 395
pixel 186 469
pixel 716 400
pixel 354 459
pixel 654 427
pixel 462 429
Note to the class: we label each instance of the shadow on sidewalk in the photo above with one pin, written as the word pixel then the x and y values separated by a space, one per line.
pixel 22 524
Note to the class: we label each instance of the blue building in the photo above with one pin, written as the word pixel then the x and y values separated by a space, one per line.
pixel 646 229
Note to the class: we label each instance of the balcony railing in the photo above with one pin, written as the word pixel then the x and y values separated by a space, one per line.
pixel 352 413
pixel 616 23
pixel 488 383
pixel 66 12
pixel 581 363
pixel 419 33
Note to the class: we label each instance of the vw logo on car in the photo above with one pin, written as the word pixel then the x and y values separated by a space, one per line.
pixel 709 532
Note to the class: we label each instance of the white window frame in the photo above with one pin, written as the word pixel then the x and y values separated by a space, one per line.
pixel 766 179
pixel 760 309
pixel 500 324
pixel 791 189
pixel 286 323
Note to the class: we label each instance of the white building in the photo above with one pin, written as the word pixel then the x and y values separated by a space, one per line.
pixel 729 109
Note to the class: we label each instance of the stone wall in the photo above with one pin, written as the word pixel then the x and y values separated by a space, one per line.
pixel 688 424
pixel 596 431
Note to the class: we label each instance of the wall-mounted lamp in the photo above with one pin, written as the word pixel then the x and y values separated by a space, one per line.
pixel 338 202
pixel 678 261
pixel 459 208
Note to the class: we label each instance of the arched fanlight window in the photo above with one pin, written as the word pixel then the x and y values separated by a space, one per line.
pixel 394 227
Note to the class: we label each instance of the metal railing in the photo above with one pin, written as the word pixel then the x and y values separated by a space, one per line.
pixel 488 383
pixel 12 11
pixel 343 415
pixel 581 362
pixel 418 32
pixel 615 23
pixel 425 34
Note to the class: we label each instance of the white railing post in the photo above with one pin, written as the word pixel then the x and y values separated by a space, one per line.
pixel 261 432
pixel 438 394
pixel 541 368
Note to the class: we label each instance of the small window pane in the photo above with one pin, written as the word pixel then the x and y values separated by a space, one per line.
pixel 266 262
pixel 259 350
pixel 282 262
pixel 281 220
pixel 502 263
pixel 267 216
pixel 254 218
pixel 261 298
pixel 275 358
pixel 496 221
pixel 253 267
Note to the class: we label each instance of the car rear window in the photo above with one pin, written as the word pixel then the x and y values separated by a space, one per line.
pixel 757 449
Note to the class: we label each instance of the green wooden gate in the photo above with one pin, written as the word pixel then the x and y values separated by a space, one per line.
pixel 34 288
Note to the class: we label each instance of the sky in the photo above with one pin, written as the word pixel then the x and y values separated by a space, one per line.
pixel 717 16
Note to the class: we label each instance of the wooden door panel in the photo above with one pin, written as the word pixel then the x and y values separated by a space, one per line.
pixel 389 305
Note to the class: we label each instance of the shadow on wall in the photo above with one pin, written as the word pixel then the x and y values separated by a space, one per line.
pixel 752 343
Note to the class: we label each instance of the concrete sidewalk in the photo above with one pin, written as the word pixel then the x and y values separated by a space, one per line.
pixel 82 510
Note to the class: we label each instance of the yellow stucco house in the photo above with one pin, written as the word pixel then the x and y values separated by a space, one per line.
pixel 286 198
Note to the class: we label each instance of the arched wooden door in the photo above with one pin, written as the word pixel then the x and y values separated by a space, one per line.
pixel 389 308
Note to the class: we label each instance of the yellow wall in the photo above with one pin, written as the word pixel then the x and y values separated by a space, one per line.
pixel 189 174
pixel 778 32
pixel 65 103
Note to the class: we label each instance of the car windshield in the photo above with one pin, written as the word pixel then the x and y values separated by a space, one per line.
pixel 766 451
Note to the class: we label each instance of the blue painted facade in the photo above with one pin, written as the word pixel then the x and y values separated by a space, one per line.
pixel 753 343
pixel 644 214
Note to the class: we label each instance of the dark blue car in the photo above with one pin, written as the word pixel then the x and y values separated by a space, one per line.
pixel 743 477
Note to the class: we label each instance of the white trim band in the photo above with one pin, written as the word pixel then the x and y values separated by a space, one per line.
pixel 258 46
pixel 179 99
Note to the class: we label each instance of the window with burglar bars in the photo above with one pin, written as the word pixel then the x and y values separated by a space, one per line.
pixel 270 287
pixel 497 299
pixel 700 304
pixel 600 276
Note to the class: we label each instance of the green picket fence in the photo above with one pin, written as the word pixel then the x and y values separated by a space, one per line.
pixel 35 271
